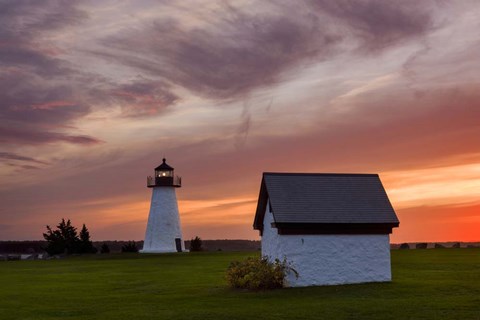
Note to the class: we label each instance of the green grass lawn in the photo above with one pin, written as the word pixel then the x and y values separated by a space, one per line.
pixel 427 284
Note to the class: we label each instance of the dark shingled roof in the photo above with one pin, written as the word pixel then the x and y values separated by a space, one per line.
pixel 324 198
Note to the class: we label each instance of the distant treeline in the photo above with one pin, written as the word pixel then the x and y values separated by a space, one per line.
pixel 210 245
pixel 22 246
pixel 434 245
pixel 228 245
pixel 116 246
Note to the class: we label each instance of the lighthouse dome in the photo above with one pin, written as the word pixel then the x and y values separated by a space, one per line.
pixel 164 166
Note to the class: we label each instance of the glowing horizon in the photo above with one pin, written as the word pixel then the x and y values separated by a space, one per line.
pixel 94 95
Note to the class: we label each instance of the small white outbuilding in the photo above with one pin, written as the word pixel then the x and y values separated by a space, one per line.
pixel 331 228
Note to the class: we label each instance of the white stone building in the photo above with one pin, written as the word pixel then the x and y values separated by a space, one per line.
pixel 331 228
pixel 163 232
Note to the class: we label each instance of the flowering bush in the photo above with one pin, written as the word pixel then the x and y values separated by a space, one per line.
pixel 258 273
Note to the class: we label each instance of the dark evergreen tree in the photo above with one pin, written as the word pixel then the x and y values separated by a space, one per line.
pixel 104 248
pixel 55 241
pixel 70 236
pixel 130 246
pixel 62 240
pixel 196 244
pixel 66 240
pixel 85 245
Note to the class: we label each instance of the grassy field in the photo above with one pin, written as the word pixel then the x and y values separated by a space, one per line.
pixel 428 284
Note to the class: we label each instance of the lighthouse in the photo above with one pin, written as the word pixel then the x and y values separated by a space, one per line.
pixel 163 228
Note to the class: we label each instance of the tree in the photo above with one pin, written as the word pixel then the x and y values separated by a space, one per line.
pixel 130 246
pixel 55 242
pixel 104 248
pixel 65 239
pixel 196 244
pixel 69 235
pixel 62 240
pixel 85 245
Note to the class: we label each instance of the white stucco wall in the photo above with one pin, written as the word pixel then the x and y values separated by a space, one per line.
pixel 329 259
pixel 163 222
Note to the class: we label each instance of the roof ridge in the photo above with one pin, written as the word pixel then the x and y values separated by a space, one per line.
pixel 319 174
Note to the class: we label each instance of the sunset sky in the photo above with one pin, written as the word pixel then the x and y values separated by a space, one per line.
pixel 94 94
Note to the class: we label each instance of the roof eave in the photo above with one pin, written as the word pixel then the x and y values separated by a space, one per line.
pixel 261 207
pixel 335 228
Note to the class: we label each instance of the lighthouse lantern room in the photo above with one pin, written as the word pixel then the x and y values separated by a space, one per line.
pixel 163 232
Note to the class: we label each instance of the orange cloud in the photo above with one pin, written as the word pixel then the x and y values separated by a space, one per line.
pixel 450 185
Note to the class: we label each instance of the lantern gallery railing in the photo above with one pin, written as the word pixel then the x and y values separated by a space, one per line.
pixel 175 181
pixel 150 181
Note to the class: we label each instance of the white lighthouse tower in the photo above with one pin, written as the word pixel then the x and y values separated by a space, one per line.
pixel 163 229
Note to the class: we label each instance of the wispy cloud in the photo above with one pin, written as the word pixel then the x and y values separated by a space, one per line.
pixel 32 136
pixel 244 50
pixel 36 94
pixel 17 157
pixel 380 24
pixel 144 97
pixel 244 127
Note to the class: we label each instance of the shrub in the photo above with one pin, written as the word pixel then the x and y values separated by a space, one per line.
pixel 196 244
pixel 130 246
pixel 258 274
pixel 404 246
pixel 422 245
